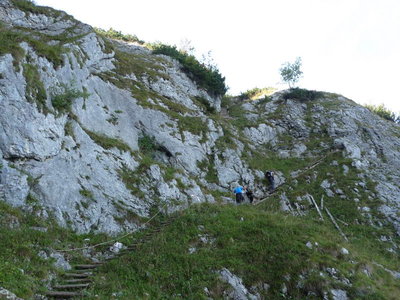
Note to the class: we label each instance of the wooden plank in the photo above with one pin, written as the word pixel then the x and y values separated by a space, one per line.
pixel 85 266
pixel 71 286
pixel 316 206
pixel 64 294
pixel 81 280
pixel 77 275
pixel 336 225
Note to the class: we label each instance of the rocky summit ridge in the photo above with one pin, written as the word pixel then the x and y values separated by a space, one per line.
pixel 99 134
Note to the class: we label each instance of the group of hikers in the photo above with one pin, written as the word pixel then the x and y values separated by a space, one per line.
pixel 240 191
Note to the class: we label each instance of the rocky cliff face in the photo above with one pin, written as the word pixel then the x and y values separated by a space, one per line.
pixel 98 132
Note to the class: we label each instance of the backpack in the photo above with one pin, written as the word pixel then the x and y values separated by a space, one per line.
pixel 269 174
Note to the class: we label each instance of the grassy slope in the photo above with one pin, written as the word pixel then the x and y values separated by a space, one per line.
pixel 259 246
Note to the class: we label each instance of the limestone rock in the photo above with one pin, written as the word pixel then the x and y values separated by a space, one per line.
pixel 238 291
pixel 6 294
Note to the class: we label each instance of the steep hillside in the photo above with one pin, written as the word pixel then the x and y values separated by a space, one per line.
pixel 97 135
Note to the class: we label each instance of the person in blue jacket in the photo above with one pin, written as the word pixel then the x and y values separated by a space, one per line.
pixel 238 191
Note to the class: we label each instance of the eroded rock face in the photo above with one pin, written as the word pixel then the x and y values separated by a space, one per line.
pixel 86 163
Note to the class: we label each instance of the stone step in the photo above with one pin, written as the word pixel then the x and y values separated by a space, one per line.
pixel 63 294
pixel 85 267
pixel 71 286
pixel 77 275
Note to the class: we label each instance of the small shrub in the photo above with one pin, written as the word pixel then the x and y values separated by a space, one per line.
pixel 113 119
pixel 147 144
pixel 62 102
pixel 118 35
pixel 207 77
pixel 86 193
pixel 169 173
pixel 302 95
pixel 383 112
pixel 201 101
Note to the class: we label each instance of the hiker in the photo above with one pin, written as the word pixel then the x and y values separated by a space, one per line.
pixel 271 180
pixel 238 191
pixel 249 194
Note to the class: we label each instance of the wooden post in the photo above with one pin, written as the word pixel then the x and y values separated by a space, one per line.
pixel 322 202
pixel 336 225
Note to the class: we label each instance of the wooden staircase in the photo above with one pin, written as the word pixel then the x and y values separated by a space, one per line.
pixel 74 282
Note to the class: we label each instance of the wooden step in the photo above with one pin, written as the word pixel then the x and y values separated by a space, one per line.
pixel 77 275
pixel 83 271
pixel 81 280
pixel 63 294
pixel 86 267
pixel 71 286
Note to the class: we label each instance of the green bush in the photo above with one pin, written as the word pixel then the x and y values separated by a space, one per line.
pixel 118 35
pixel 147 144
pixel 207 77
pixel 62 102
pixel 302 95
pixel 383 112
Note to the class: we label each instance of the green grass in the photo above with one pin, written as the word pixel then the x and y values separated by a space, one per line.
pixel 132 180
pixel 264 160
pixel 259 246
pixel 108 142
pixel 9 43
pixel 35 91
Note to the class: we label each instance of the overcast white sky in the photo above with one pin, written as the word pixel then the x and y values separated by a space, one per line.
pixel 350 47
